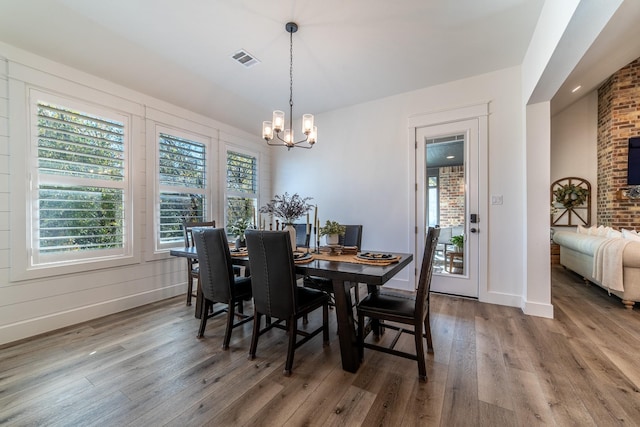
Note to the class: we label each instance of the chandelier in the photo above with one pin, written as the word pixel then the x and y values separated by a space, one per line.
pixel 277 125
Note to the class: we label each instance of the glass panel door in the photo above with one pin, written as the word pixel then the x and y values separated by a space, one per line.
pixel 447 163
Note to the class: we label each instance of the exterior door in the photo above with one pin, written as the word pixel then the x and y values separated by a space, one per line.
pixel 447 196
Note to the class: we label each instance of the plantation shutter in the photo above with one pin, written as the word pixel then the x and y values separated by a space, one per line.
pixel 183 181
pixel 81 175
pixel 242 187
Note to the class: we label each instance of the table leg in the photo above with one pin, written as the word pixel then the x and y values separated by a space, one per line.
pixel 346 326
pixel 199 301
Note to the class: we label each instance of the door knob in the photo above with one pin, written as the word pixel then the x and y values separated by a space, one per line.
pixel 473 230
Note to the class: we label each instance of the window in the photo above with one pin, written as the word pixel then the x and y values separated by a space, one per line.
pixel 242 188
pixel 182 174
pixel 80 193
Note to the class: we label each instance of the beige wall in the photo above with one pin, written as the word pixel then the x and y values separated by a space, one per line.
pixel 574 133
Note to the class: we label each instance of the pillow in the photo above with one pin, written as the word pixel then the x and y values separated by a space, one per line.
pixel 582 230
pixel 595 231
pixel 613 233
pixel 631 235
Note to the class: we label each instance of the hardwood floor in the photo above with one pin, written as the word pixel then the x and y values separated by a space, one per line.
pixel 493 366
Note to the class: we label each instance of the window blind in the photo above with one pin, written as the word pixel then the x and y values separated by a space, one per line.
pixel 81 183
pixel 183 179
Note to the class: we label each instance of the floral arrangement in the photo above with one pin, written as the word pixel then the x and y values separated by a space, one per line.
pixel 332 227
pixel 239 227
pixel 571 195
pixel 288 208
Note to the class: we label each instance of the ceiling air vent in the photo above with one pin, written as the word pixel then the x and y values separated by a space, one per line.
pixel 245 58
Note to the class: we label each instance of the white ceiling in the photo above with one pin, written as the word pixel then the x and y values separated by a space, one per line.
pixel 345 52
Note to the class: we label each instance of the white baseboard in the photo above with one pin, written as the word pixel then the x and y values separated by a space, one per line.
pixel 537 309
pixel 31 327
pixel 499 298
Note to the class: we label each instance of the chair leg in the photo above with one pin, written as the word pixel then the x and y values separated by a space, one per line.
pixel 305 319
pixel 427 333
pixel 189 288
pixel 360 336
pixel 231 312
pixel 325 324
pixel 256 333
pixel 422 368
pixel 240 307
pixel 292 327
pixel 203 321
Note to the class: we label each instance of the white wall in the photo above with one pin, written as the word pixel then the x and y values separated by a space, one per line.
pixel 33 306
pixel 359 171
pixel 574 144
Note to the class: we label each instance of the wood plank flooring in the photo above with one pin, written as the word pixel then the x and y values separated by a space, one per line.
pixel 493 366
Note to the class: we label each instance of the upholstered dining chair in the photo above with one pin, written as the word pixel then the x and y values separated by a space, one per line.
pixel 381 306
pixel 276 294
pixel 352 237
pixel 192 265
pixel 218 282
pixel 302 238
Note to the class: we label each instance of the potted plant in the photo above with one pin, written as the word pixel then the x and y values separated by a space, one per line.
pixel 332 229
pixel 458 242
pixel 288 209
pixel 237 229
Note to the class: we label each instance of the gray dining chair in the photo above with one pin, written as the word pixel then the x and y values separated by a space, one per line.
pixel 385 306
pixel 218 282
pixel 302 238
pixel 193 268
pixel 276 293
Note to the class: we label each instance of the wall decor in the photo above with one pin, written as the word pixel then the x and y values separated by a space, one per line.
pixel 571 202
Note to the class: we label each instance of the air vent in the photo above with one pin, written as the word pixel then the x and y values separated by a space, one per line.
pixel 245 58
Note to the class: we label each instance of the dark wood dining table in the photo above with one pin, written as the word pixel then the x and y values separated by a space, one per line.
pixel 344 275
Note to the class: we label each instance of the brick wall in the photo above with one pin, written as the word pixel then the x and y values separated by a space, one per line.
pixel 451 180
pixel 618 120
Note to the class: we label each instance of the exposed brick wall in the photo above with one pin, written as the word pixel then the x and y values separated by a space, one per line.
pixel 451 180
pixel 618 120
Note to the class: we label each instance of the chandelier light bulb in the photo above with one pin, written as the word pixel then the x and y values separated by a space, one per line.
pixel 288 137
pixel 267 131
pixel 278 121
pixel 313 135
pixel 307 123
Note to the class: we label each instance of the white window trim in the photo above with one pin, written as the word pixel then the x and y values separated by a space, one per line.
pixel 20 125
pixel 223 178
pixel 37 260
pixel 200 134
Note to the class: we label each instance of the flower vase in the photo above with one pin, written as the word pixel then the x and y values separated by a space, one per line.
pixel 332 239
pixel 292 235
pixel 240 243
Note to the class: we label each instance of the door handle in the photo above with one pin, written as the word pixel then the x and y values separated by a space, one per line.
pixel 473 230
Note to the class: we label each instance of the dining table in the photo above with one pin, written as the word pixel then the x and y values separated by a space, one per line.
pixel 345 271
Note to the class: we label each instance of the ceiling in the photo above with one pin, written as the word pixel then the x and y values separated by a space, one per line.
pixel 345 52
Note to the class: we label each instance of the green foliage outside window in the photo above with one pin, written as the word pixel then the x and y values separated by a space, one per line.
pixel 80 148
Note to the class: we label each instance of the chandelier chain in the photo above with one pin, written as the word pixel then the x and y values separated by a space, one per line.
pixel 291 80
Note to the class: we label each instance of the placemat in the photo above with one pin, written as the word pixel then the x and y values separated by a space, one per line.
pixel 305 260
pixel 352 259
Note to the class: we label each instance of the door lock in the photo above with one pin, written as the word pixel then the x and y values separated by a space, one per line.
pixel 473 230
